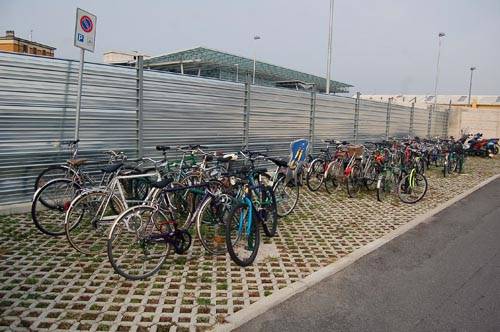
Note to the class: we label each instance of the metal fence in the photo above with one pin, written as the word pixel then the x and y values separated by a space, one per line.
pixel 132 110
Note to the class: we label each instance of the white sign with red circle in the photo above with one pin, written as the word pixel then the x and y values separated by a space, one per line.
pixel 85 30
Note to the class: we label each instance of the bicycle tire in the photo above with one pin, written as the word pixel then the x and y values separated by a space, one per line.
pixel 316 170
pixel 60 172
pixel 210 226
pixel 270 224
pixel 385 184
pixel 87 234
pixel 280 193
pixel 64 191
pixel 253 240
pixel 332 180
pixel 404 188
pixel 114 246
pixel 354 181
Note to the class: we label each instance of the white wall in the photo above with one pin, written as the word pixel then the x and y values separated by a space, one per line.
pixel 482 121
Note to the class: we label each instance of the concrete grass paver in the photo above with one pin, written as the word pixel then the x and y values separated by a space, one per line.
pixel 45 284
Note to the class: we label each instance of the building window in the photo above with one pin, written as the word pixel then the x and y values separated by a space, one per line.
pixel 34 50
pixel 44 52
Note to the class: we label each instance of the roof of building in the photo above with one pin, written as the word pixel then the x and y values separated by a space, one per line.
pixel 13 37
pixel 458 100
pixel 207 56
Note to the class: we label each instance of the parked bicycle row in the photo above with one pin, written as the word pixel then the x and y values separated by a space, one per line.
pixel 140 210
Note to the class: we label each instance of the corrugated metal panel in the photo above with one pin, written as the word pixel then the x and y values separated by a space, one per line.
pixel 372 119
pixel 278 117
pixel 400 121
pixel 38 96
pixel 189 110
pixel 420 121
pixel 37 100
pixel 334 118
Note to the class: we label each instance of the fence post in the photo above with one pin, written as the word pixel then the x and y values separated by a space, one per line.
pixel 246 112
pixel 412 119
pixel 429 121
pixel 356 116
pixel 447 123
pixel 312 119
pixel 140 104
pixel 388 118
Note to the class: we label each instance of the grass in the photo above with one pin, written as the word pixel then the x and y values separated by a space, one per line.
pixel 222 286
pixel 203 301
pixel 31 281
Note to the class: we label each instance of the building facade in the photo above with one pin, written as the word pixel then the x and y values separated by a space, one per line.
pixel 11 43
pixel 210 63
pixel 477 102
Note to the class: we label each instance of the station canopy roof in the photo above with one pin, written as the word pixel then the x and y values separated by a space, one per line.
pixel 206 57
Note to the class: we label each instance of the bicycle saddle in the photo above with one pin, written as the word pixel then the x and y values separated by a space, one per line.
pixel 162 148
pixel 111 167
pixel 77 162
pixel 162 183
pixel 278 162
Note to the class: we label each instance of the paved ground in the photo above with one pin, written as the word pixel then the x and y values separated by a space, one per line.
pixel 440 276
pixel 45 284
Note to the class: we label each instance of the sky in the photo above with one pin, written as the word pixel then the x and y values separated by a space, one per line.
pixel 380 47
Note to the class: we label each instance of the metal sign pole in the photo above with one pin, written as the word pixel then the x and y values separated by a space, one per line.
pixel 79 95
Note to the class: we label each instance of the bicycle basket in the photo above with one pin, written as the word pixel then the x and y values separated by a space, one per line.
pixel 355 150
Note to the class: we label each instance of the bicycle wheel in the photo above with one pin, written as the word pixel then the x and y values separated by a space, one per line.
pixel 88 219
pixel 453 164
pixel 136 247
pixel 242 235
pixel 333 177
pixel 315 175
pixel 385 185
pixel 412 187
pixel 354 181
pixel 57 194
pixel 210 223
pixel 371 177
pixel 286 195
pixel 50 173
pixel 268 211
pixel 446 168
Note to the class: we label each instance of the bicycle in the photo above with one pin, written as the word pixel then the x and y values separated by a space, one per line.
pixel 256 207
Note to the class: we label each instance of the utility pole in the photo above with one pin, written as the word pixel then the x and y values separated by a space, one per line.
pixel 255 38
pixel 329 60
pixel 441 34
pixel 470 84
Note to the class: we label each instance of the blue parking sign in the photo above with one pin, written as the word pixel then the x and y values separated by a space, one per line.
pixel 80 38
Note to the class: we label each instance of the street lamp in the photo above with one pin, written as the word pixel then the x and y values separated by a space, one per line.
pixel 441 34
pixel 237 67
pixel 254 58
pixel 329 60
pixel 470 84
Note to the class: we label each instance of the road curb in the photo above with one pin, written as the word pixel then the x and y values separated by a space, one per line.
pixel 15 208
pixel 265 304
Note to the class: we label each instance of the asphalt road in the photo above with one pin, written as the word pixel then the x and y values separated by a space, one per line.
pixel 442 275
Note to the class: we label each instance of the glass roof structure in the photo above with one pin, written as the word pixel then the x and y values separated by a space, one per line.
pixel 203 61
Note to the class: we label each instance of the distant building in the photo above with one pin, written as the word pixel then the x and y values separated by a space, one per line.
pixel 457 101
pixel 122 58
pixel 206 62
pixel 11 43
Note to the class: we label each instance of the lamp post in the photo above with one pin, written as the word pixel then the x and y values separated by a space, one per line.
pixel 440 35
pixel 329 60
pixel 237 69
pixel 470 84
pixel 254 57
